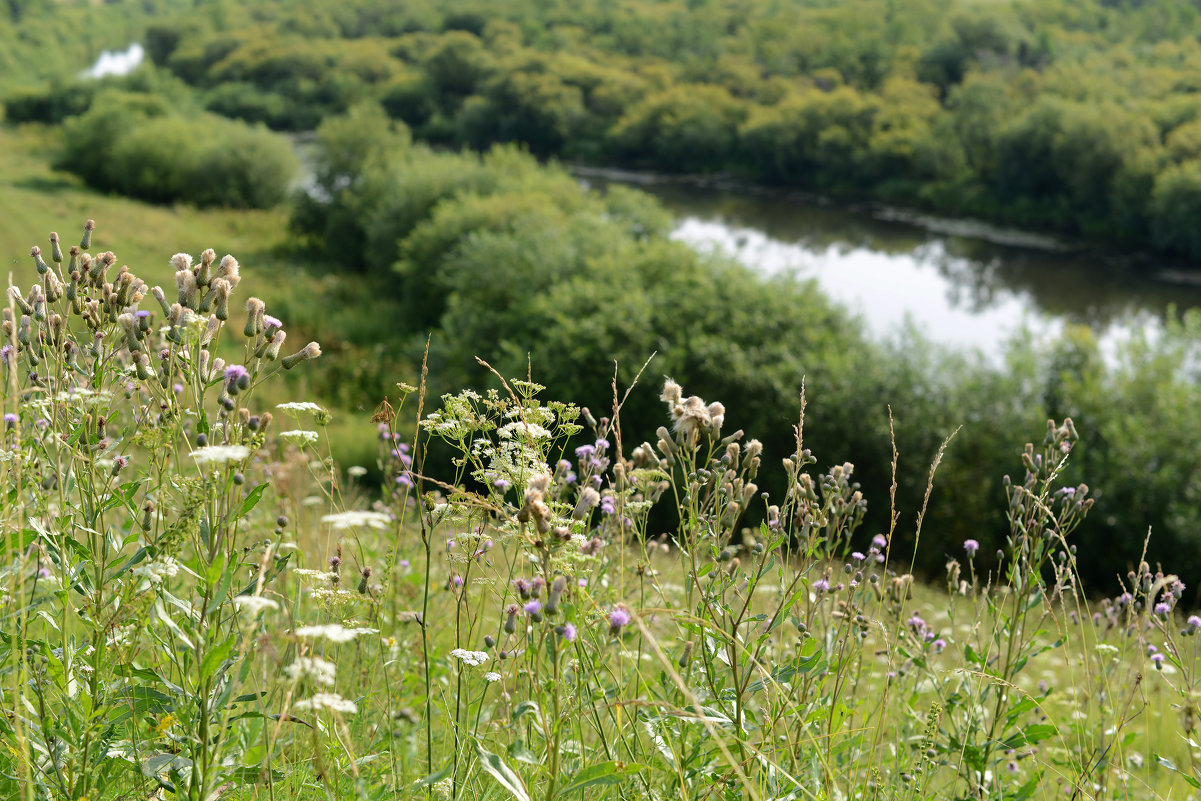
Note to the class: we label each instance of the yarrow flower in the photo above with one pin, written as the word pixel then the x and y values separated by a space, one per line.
pixel 471 658
pixel 331 701
pixel 492 675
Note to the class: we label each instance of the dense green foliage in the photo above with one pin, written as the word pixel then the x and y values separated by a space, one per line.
pixel 501 258
pixel 136 144
pixel 1077 116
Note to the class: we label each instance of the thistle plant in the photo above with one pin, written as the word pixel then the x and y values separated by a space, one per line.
pixel 197 602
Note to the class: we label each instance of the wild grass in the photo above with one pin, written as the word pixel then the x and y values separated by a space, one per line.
pixel 198 603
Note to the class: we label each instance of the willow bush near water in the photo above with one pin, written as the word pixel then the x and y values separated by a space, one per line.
pixel 518 628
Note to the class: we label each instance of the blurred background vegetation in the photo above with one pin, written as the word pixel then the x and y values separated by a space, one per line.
pixel 426 204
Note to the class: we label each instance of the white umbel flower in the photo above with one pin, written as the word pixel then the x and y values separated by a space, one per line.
pixel 334 632
pixel 331 701
pixel 472 658
pixel 314 668
pixel 352 519
pixel 300 407
pixel 220 454
pixel 300 437
pixel 253 604
pixel 158 569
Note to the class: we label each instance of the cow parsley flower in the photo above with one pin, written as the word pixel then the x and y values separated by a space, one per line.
pixel 300 407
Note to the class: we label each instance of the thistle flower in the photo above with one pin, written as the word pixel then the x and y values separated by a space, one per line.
pixel 229 270
pixel 185 285
pixel 511 612
pixel 534 610
pixel 567 631
pixel 588 499
pixel 618 619
pixel 309 351
pixel 971 547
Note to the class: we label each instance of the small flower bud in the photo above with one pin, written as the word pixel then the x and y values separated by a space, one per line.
pixel 309 351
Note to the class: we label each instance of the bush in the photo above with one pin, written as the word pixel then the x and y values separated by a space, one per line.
pixel 135 146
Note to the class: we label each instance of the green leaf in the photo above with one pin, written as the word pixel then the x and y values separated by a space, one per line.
pixel 436 776
pixel 496 766
pixel 1030 735
pixel 252 500
pixel 215 657
pixel 601 773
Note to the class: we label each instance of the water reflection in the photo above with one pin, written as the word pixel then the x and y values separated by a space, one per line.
pixel 961 283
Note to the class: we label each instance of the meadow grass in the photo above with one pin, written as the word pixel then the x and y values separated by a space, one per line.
pixel 198 603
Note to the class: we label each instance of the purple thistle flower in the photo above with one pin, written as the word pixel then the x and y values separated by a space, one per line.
pixel 601 444
pixel 567 631
pixel 271 322
pixel 236 371
pixel 858 557
pixel 1157 660
pixel 618 618
pixel 501 484
pixel 1194 621
pixel 939 645
pixel 584 451
pixel 1162 609
pixel 533 608
pixel 821 585
pixel 879 541
pixel 10 419
pixel 971 546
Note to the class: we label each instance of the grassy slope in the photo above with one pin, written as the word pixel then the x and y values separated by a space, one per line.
pixel 36 199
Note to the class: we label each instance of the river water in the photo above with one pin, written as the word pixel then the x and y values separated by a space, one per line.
pixel 961 283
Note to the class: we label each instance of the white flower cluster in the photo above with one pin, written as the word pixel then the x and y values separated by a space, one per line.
pixel 334 632
pixel 158 569
pixel 300 407
pixel 492 675
pixel 313 668
pixel 331 701
pixel 253 604
pixel 319 575
pixel 300 437
pixel 220 454
pixel 353 519
pixel 519 429
pixel 472 658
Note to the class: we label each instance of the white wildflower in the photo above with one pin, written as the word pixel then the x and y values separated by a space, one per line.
pixel 492 675
pixel 330 701
pixel 334 632
pixel 314 668
pixel 331 595
pixel 319 575
pixel 472 658
pixel 300 437
pixel 353 519
pixel 356 471
pixel 253 604
pixel 220 454
pixel 300 407
pixel 530 430
pixel 158 569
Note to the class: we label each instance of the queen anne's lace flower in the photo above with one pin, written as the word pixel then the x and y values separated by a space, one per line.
pixel 352 519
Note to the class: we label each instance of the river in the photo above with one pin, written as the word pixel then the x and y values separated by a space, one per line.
pixel 961 283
